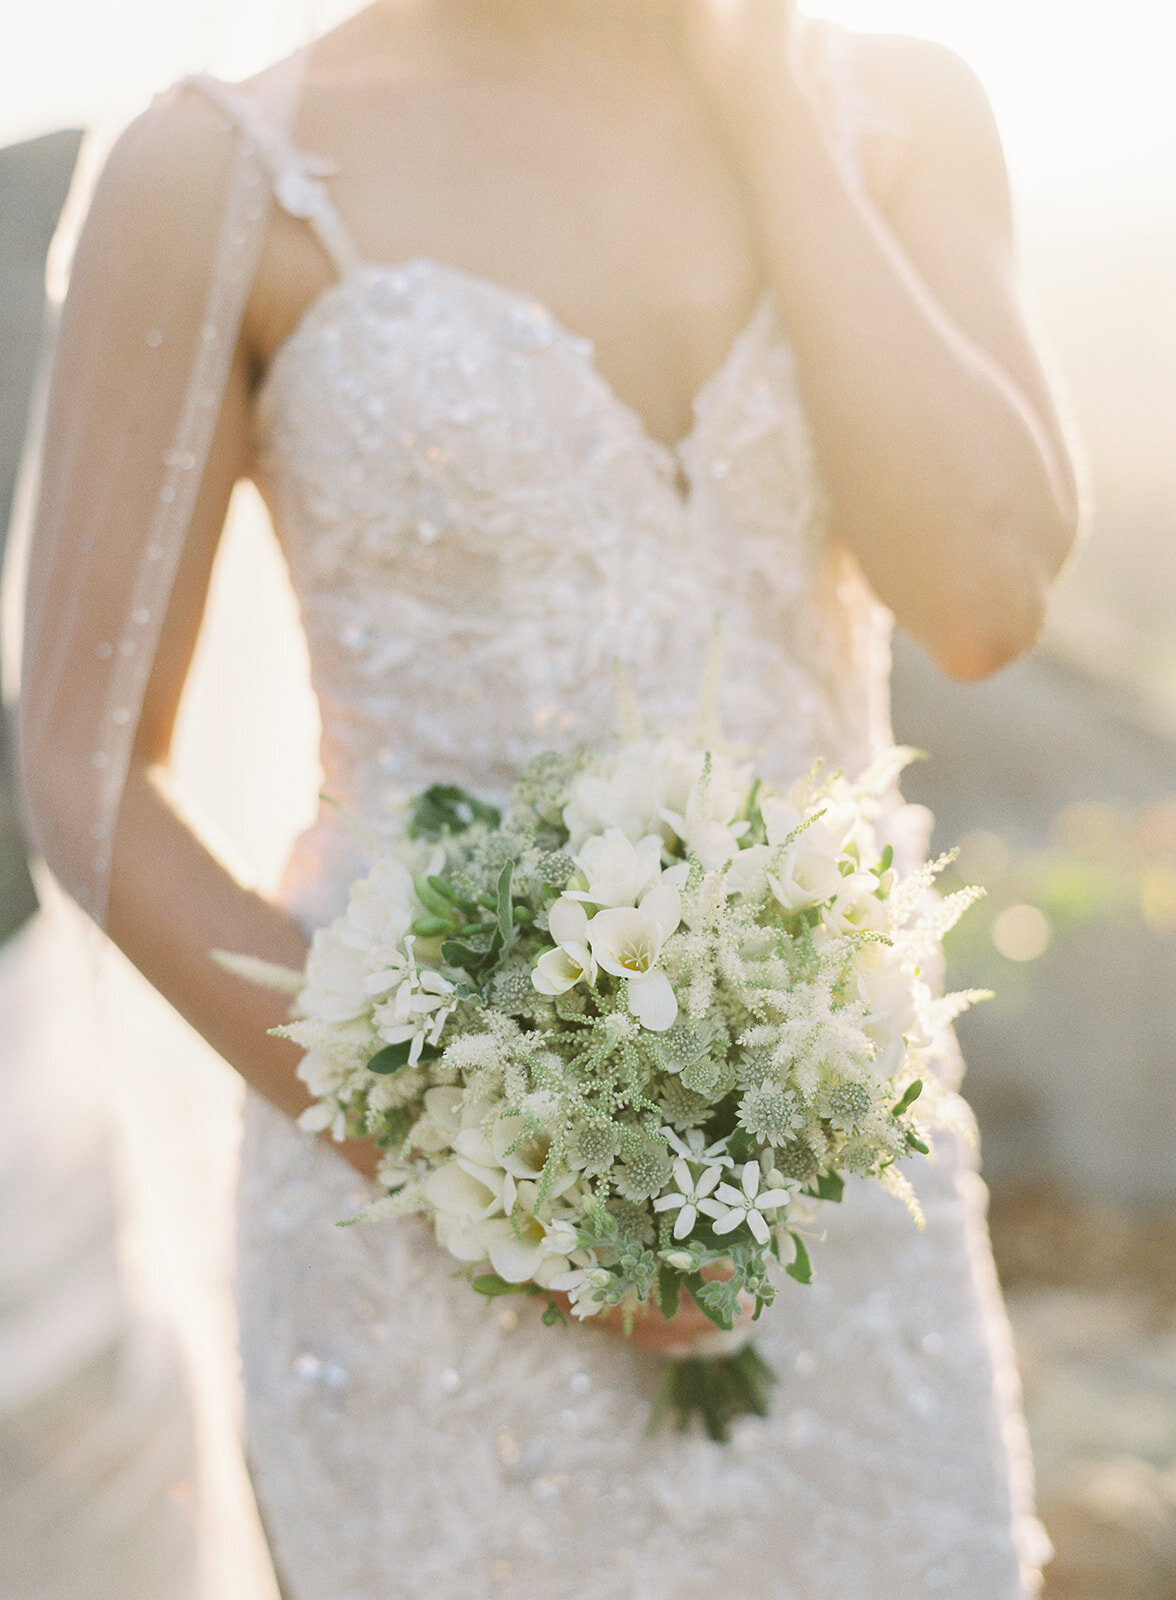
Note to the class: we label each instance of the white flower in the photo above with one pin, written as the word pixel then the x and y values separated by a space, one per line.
pixel 462 1198
pixel 780 819
pixel 560 969
pixel 897 1001
pixel 580 1285
pixel 623 792
pixel 419 1008
pixel 856 907
pixel 381 906
pixel 335 978
pixel 690 1196
pixel 809 872
pixel 439 1125
pixel 887 983
pixel 618 872
pixel 627 941
pixel 732 1206
pixel 634 789
pixel 690 1146
pixel 522 1248
pixel 745 868
pixel 705 825
pixel 525 1160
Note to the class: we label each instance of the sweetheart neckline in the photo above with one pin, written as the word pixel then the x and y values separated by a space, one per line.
pixel 673 454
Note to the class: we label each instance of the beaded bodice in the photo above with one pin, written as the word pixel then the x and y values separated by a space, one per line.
pixel 480 533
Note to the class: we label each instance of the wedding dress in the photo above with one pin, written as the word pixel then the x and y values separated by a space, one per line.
pixel 479 531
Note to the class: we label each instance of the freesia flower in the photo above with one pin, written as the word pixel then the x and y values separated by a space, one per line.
pixel 809 871
pixel 461 1200
pixel 560 969
pixel 627 941
pixel 705 825
pixel 618 872
pixel 856 907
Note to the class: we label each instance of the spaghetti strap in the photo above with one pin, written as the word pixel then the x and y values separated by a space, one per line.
pixel 851 118
pixel 297 175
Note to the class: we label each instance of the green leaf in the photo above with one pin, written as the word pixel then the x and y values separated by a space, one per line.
pixel 800 1268
pixel 887 859
pixel 492 1286
pixel 448 891
pixel 462 955
pixel 667 1292
pixel 447 808
pixel 913 1091
pixel 440 905
pixel 394 1056
pixel 830 1186
pixel 391 1058
pixel 503 907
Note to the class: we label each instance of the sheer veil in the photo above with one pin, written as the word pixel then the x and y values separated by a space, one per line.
pixel 141 350
pixel 120 1134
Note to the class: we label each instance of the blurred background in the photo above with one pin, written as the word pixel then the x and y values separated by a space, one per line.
pixel 1057 778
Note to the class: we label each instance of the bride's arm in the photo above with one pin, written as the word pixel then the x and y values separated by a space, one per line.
pixel 947 469
pixel 171 899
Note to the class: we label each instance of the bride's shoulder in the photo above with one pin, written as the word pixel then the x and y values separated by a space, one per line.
pixel 928 113
pixel 164 178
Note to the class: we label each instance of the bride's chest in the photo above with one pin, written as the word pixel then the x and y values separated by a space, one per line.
pixel 423 426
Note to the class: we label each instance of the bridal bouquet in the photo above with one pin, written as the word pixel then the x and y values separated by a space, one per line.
pixel 618 1040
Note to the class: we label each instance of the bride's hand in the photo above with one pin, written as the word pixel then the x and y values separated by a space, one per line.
pixel 650 1330
pixel 737 51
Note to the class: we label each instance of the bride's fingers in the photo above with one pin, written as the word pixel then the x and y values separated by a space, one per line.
pixel 651 1331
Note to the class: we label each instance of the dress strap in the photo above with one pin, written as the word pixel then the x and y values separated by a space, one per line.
pixel 297 175
pixel 851 118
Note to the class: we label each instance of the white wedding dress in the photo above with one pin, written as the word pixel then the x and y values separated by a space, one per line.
pixel 478 532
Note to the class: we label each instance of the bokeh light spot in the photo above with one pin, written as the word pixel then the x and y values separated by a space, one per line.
pixel 1021 933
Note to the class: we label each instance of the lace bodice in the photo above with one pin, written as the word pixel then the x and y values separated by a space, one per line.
pixel 478 532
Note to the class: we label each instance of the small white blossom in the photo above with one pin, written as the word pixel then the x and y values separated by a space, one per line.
pixel 580 1284
pixel 732 1206
pixel 690 1196
pixel 690 1146
pixel 418 1010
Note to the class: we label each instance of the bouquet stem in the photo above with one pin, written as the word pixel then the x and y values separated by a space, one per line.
pixel 716 1389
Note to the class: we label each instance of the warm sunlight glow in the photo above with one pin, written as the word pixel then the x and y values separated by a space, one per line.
pixel 1082 90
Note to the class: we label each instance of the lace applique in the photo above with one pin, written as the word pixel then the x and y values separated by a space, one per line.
pixel 477 531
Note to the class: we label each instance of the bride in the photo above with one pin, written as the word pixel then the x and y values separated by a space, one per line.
pixel 575 326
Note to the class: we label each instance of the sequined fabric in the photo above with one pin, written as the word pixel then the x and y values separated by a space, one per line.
pixel 478 530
